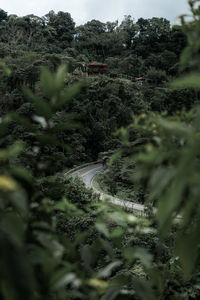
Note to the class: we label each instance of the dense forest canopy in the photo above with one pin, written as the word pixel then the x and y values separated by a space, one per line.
pixel 147 48
pixel 57 239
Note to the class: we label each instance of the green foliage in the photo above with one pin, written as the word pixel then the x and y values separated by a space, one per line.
pixel 44 236
pixel 5 69
pixel 171 159
pixel 116 180
pixel 62 26
pixel 156 77
pixel 166 169
pixel 57 240
pixel 170 156
pixel 27 236
pixel 51 225
pixel 3 16
pixel 189 81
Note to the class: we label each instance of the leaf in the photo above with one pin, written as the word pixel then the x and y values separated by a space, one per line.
pixel 119 218
pixel 106 272
pixel 22 174
pixel 189 81
pixel 47 81
pixel 117 233
pixel 5 69
pixel 143 255
pixel 16 149
pixel 12 225
pixel 23 121
pixel 12 151
pixel 86 256
pixel 41 106
pixel 143 289
pixel 138 253
pixel 52 245
pixel 187 248
pixel 111 293
pixel 17 276
pixel 7 184
pixel 61 279
pixel 60 77
pixel 101 227
pixel 67 94
pixel 19 201
pixel 177 128
pixel 67 206
pixel 108 247
pixel 3 128
pixel 163 176
pixel 98 283
pixel 115 156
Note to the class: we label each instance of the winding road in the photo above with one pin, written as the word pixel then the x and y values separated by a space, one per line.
pixel 88 173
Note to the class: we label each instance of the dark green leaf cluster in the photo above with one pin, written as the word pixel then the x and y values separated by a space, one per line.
pixel 57 240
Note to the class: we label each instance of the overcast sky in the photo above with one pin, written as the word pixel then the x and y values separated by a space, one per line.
pixel 103 10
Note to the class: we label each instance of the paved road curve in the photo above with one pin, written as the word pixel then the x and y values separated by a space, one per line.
pixel 89 172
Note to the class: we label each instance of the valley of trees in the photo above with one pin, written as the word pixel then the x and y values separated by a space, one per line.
pixel 57 239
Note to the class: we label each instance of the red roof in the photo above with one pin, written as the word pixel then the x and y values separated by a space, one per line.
pixel 97 64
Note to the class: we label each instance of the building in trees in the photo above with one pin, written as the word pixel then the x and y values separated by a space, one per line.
pixel 96 68
pixel 91 69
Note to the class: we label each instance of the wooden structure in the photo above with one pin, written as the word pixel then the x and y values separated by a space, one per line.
pixel 140 80
pixel 96 68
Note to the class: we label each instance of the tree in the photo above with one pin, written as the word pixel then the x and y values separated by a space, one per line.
pixel 156 77
pixel 90 37
pixel 153 35
pixel 128 29
pixel 3 16
pixel 178 39
pixel 27 31
pixel 63 25
pixel 164 61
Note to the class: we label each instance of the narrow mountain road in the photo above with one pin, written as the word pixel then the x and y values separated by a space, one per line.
pixel 88 173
